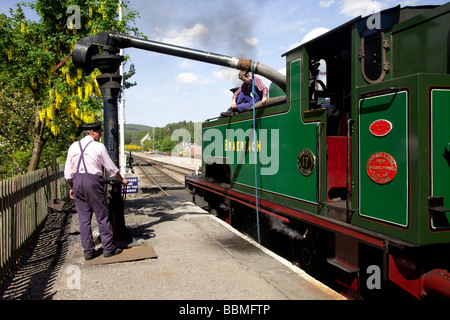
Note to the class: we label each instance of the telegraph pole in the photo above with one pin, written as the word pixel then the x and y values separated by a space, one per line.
pixel 122 156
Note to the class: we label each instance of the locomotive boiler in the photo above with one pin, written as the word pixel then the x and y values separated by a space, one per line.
pixel 352 146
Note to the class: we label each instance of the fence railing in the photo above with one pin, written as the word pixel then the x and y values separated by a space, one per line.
pixel 23 209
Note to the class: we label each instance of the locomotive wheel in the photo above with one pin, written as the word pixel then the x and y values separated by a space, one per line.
pixel 314 251
pixel 306 257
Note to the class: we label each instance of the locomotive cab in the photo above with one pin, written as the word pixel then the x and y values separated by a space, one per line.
pixel 327 70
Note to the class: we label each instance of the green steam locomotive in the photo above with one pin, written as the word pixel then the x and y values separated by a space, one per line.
pixel 354 148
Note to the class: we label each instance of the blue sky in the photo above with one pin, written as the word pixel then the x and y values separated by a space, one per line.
pixel 171 89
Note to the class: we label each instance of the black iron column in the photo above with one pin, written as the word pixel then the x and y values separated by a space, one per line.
pixel 109 81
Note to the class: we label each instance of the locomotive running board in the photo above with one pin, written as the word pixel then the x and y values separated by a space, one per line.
pixel 342 266
pixel 437 211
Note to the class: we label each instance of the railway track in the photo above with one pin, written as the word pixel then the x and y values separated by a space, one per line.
pixel 162 175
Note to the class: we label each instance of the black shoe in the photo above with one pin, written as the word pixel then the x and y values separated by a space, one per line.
pixel 91 255
pixel 88 256
pixel 228 113
pixel 113 253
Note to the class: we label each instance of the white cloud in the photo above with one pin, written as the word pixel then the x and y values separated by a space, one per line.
pixel 294 45
pixel 192 78
pixel 325 4
pixel 252 41
pixel 354 8
pixel 227 74
pixel 309 36
pixel 186 64
pixel 314 34
pixel 185 36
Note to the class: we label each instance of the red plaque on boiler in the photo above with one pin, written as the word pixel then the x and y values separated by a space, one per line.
pixel 381 167
pixel 380 128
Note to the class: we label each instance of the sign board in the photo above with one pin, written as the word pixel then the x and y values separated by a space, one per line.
pixel 132 186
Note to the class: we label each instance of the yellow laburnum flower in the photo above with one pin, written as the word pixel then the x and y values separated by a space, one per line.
pixel 88 90
pixel 68 78
pixel 79 74
pixel 73 82
pixel 86 118
pixel 72 106
pixel 54 129
pixel 58 100
pixel 42 114
pixel 96 73
pixel 44 41
pixel 97 90
pixel 22 27
pixel 51 112
pixel 80 93
pixel 9 53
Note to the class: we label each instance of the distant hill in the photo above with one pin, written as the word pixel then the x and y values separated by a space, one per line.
pixel 132 132
pixel 135 132
pixel 137 127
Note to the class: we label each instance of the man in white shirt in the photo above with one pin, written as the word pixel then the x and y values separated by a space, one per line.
pixel 83 171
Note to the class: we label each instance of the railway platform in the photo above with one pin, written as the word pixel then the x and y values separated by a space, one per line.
pixel 196 257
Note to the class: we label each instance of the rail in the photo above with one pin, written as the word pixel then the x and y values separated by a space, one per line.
pixel 153 180
pixel 169 166
pixel 23 210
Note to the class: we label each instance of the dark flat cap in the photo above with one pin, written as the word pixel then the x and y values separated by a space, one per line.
pixel 97 126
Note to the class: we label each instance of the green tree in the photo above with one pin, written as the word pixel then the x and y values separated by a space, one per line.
pixel 166 144
pixel 60 100
pixel 17 122
pixel 127 75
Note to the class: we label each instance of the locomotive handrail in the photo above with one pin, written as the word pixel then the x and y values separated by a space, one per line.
pixel 349 210
pixel 269 101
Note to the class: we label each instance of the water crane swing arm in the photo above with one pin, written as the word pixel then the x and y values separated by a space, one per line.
pixel 85 49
